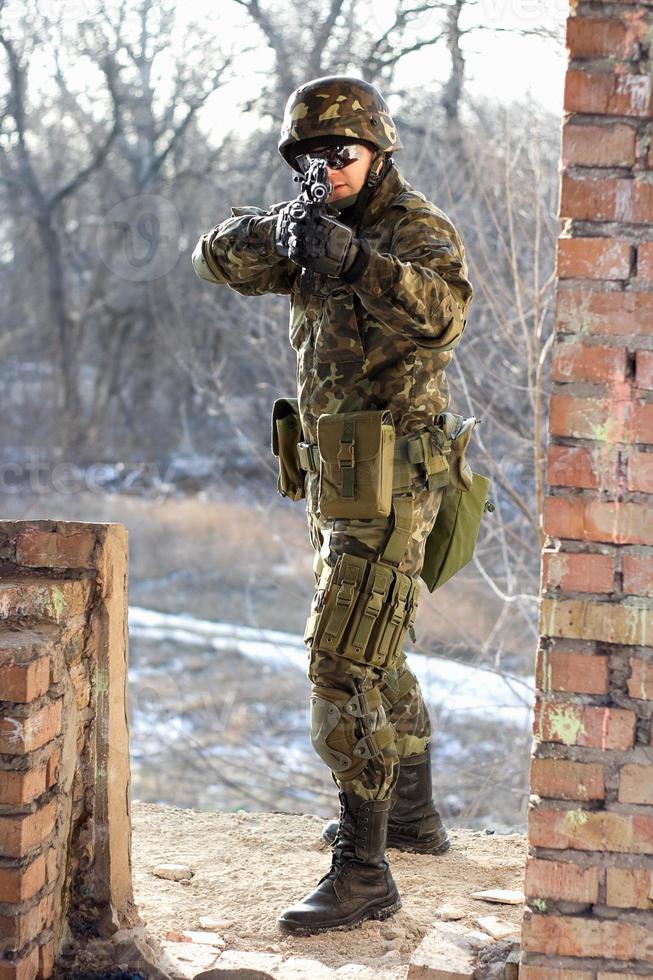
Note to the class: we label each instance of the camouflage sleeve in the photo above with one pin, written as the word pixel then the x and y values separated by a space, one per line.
pixel 240 252
pixel 420 287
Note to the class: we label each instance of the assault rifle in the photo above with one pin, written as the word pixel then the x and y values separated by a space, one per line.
pixel 315 190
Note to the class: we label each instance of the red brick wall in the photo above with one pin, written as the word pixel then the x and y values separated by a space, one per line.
pixel 589 876
pixel 64 826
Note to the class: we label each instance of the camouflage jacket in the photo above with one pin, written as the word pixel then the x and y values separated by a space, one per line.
pixel 381 342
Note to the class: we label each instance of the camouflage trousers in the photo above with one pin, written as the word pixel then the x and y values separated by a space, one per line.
pixel 399 711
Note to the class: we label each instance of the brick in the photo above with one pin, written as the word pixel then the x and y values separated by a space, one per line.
pixel 46 960
pixel 51 865
pixel 644 369
pixel 596 199
pixel 598 146
pixel 589 937
pixel 641 203
pixel 577 572
pixel 629 888
pixel 583 830
pixel 587 91
pixel 640 682
pixel 21 834
pixel 645 261
pixel 581 418
pixel 52 767
pixel 22 787
pixel 563 881
pixel 24 682
pixel 22 968
pixel 43 601
pixel 574 360
pixel 573 466
pixel 582 519
pixel 636 784
pixel 55 548
pixel 20 884
pixel 564 517
pixel 640 471
pixel 592 198
pixel 622 523
pixel 641 422
pixel 594 258
pixel 602 37
pixel 578 619
pixel 18 929
pixel 574 673
pixel 20 735
pixel 638 577
pixel 610 420
pixel 608 93
pixel 589 311
pixel 575 724
pixel 562 779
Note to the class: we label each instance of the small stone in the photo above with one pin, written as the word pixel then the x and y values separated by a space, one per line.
pixel 495 927
pixel 173 872
pixel 212 922
pixel 449 913
pixel 184 881
pixel 391 932
pixel 506 896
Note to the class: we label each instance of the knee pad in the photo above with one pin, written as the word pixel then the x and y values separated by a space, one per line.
pixel 337 721
pixel 362 610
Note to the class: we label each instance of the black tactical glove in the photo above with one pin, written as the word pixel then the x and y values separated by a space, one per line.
pixel 319 242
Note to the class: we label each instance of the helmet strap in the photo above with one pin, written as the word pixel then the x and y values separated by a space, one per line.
pixel 378 168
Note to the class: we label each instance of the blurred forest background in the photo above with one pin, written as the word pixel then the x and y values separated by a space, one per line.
pixel 133 392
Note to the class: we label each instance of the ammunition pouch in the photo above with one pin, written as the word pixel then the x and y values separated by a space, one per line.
pixel 286 435
pixel 356 463
pixel 362 611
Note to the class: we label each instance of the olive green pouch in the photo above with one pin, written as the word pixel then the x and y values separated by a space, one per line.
pixel 451 543
pixel 356 462
pixel 286 433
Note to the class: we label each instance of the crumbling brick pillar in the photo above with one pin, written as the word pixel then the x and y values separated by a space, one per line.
pixel 589 876
pixel 65 869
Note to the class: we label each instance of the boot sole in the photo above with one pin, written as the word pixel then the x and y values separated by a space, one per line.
pixel 379 913
pixel 413 847
pixel 425 847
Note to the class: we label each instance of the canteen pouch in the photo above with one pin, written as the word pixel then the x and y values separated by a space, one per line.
pixel 286 434
pixel 356 463
pixel 451 543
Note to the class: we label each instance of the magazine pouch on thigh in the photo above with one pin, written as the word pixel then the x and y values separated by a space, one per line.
pixel 356 463
pixel 286 434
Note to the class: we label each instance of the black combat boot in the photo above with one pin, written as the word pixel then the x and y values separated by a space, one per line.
pixel 359 884
pixel 414 823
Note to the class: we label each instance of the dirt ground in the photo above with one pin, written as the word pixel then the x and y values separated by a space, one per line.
pixel 249 866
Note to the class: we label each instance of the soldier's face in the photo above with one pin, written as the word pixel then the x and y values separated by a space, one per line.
pixel 350 179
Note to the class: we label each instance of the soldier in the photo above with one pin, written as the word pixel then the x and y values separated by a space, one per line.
pixel 378 301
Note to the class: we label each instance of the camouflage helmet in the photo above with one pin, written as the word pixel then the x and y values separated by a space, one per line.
pixel 337 105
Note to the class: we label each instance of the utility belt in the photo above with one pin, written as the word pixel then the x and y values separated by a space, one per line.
pixel 366 471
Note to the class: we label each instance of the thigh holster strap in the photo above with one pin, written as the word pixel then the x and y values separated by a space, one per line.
pixel 372 745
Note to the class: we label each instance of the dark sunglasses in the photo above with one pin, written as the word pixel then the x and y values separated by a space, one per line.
pixel 336 157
